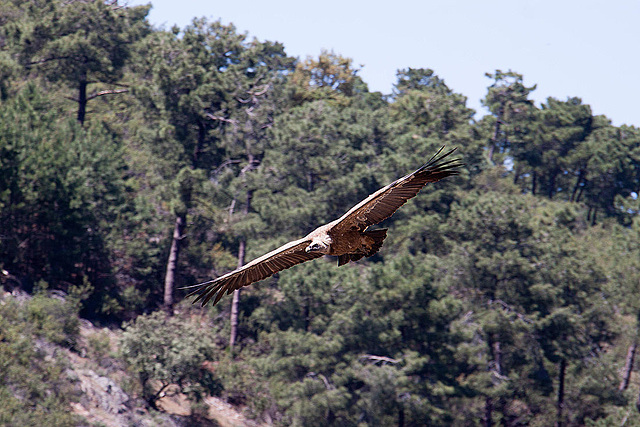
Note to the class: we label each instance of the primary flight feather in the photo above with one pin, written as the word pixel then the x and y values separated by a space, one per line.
pixel 347 237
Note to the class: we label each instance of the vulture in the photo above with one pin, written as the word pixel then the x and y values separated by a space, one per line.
pixel 347 238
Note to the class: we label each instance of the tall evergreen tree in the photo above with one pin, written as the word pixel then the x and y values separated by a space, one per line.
pixel 330 77
pixel 209 85
pixel 79 43
pixel 246 120
pixel 62 189
pixel 511 113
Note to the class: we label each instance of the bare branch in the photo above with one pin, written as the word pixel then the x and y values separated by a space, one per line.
pixel 510 309
pixel 263 91
pixel 225 164
pixel 106 92
pixel 379 358
pixel 324 379
pixel 231 208
pixel 161 392
pixel 222 119
pixel 42 61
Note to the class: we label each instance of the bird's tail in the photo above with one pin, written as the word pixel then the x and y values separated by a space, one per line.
pixel 378 237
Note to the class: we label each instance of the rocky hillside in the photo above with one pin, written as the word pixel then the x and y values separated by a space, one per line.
pixel 89 371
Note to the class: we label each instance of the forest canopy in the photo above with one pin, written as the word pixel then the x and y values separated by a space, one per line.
pixel 136 160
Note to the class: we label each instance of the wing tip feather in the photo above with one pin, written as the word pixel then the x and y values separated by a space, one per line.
pixel 291 254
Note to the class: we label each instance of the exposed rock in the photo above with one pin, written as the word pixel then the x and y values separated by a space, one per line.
pixel 225 414
pixel 101 392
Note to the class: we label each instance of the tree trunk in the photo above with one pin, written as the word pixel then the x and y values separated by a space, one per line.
pixel 172 263
pixel 560 403
pixel 591 214
pixel 534 182
pixel 236 299
pixel 496 134
pixel 552 184
pixel 488 412
pixel 628 367
pixel 202 134
pixel 580 193
pixel 82 101
pixel 496 366
pixel 497 357
pixel 306 312
pixel 236 294
pixel 401 415
pixel 178 234
pixel 577 186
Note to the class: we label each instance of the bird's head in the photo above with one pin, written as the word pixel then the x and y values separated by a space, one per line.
pixel 318 246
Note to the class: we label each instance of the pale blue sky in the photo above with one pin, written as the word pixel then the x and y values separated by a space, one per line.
pixel 587 48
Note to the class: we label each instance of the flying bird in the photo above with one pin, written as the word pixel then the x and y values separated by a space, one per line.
pixel 348 237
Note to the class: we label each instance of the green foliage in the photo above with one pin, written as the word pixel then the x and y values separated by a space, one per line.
pixel 78 42
pixel 89 40
pixel 163 351
pixel 99 346
pixel 331 77
pixel 306 185
pixel 511 113
pixel 492 289
pixel 66 192
pixel 54 320
pixel 34 387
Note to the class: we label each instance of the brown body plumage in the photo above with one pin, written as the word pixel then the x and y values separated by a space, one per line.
pixel 347 237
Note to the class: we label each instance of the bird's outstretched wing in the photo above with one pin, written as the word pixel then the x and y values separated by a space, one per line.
pixel 384 202
pixel 260 268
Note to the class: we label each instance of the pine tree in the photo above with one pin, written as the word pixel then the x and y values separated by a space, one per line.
pixel 62 189
pixel 512 111
pixel 79 43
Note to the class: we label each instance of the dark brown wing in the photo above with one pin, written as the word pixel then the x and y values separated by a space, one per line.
pixel 384 202
pixel 260 268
